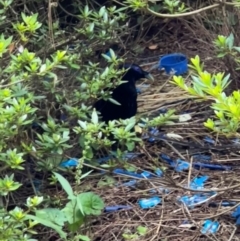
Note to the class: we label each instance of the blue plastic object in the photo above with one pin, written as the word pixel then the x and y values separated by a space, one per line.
pixel 149 203
pixel 198 182
pixel 144 174
pixel 181 165
pixel 236 215
pixel 176 64
pixel 209 140
pixel 209 227
pixel 70 163
pixel 192 201
pixel 117 208
pixel 131 183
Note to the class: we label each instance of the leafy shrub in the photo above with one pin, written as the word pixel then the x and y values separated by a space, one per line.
pixel 38 88
pixel 207 86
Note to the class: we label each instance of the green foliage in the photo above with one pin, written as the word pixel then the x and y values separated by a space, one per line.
pixel 161 119
pixel 207 86
pixel 171 6
pixel 74 213
pixel 141 231
pixel 18 224
pixel 174 6
pixel 225 47
pixel 47 73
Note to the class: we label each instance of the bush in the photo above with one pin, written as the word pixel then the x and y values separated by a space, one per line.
pixel 207 86
pixel 46 115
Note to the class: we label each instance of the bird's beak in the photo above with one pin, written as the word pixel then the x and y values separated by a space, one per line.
pixel 149 76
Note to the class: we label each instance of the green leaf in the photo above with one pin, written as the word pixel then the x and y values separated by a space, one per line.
pixel 72 213
pixel 80 206
pixel 65 185
pixel 114 101
pixel 92 203
pixel 84 238
pixel 52 214
pixel 142 230
pixel 94 116
pixel 47 223
pixel 237 48
pixel 130 145
pixel 230 41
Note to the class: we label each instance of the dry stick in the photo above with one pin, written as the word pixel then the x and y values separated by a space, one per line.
pixel 189 13
pixel 232 235
pixel 174 149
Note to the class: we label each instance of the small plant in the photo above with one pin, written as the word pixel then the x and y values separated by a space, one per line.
pixel 211 87
pixel 225 47
pixel 75 212
pixel 141 232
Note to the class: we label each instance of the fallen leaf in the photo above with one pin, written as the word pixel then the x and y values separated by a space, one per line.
pixel 11 47
pixel 152 47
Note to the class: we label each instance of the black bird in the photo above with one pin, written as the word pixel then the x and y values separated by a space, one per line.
pixel 125 94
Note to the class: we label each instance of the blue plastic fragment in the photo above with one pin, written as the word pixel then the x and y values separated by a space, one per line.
pixel 196 199
pixel 145 174
pixel 180 165
pixel 210 227
pixel 223 204
pixel 69 163
pixel 196 165
pixel 149 203
pixel 199 165
pixel 236 215
pixel 209 140
pixel 124 172
pixel 117 208
pixel 153 132
pixel 166 158
pixel 131 183
pixel 198 182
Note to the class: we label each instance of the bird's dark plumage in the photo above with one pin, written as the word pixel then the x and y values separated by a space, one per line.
pixel 125 94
